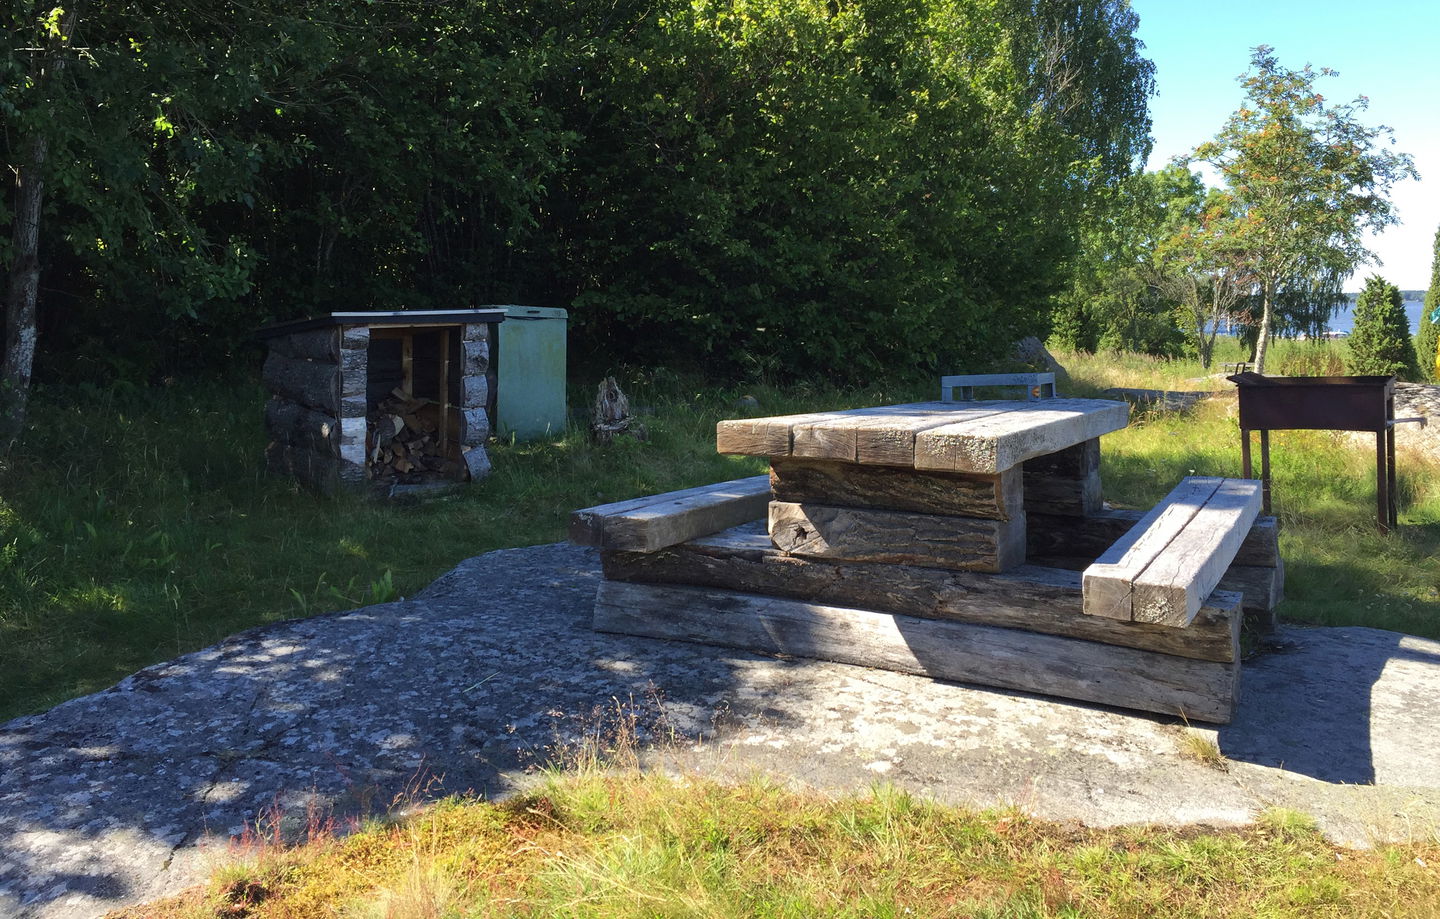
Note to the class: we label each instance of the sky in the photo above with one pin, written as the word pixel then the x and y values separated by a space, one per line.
pixel 1385 50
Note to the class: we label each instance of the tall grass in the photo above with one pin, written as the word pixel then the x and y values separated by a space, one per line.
pixel 1339 569
pixel 613 845
pixel 138 524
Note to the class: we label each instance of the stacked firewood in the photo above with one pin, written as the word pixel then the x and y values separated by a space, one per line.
pixel 405 439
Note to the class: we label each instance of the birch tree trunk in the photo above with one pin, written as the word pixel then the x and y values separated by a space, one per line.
pixel 1262 343
pixel 22 294
pixel 23 290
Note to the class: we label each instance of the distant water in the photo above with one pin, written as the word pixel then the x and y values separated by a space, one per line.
pixel 1345 321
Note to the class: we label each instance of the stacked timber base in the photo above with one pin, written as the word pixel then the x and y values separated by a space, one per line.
pixel 1021 630
pixel 1000 566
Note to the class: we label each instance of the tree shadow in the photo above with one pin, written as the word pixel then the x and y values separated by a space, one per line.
pixel 1344 705
pixel 493 672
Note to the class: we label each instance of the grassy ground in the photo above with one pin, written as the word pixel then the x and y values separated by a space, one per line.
pixel 1339 569
pixel 137 524
pixel 632 844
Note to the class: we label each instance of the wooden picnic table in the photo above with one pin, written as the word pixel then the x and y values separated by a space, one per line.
pixel 965 541
pixel 935 484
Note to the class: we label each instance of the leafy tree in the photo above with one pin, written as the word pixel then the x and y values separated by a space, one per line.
pixel 836 187
pixel 1427 343
pixel 1381 342
pixel 1308 179
pixel 1192 266
pixel 1115 292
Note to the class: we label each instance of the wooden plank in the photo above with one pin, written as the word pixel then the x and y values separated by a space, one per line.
pixel 1070 463
pixel 1109 583
pixel 444 391
pixel 316 471
pixel 1027 597
pixel 1023 431
pixel 312 345
pixel 897 537
pixel 884 435
pixel 314 384
pixel 407 363
pixel 657 521
pixel 1172 587
pixel 762 436
pixel 963 652
pixel 1076 542
pixel 299 426
pixel 995 497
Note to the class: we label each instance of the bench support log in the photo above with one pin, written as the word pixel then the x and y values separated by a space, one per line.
pixel 963 652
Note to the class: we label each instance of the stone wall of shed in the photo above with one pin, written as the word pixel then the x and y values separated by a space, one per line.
pixel 474 392
pixel 302 416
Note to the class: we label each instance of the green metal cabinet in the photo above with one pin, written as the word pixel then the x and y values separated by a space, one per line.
pixel 529 360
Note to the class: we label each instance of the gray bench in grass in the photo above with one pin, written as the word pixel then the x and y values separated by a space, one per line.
pixel 1162 570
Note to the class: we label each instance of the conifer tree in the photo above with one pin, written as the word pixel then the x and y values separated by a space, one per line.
pixel 1381 343
pixel 1427 343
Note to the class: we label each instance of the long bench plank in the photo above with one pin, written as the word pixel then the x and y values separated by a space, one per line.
pixel 654 522
pixel 898 537
pixel 1077 542
pixel 1189 539
pixel 1173 587
pixel 982 654
pixel 1027 597
pixel 1109 583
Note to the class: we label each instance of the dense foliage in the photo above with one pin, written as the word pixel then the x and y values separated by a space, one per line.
pixel 1111 302
pixel 831 186
pixel 1381 341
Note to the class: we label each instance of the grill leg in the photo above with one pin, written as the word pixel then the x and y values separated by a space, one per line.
pixel 1265 468
pixel 1382 484
pixel 1390 470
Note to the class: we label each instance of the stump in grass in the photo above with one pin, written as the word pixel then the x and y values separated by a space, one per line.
pixel 611 417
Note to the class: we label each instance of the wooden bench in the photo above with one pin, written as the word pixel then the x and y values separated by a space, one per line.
pixel 652 523
pixel 1162 570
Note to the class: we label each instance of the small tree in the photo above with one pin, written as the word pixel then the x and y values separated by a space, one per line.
pixel 1427 343
pixel 1308 178
pixel 1381 342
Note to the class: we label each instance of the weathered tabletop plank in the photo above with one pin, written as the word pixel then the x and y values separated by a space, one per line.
pixel 982 437
pixel 1025 430
pixel 654 522
pixel 964 652
pixel 883 436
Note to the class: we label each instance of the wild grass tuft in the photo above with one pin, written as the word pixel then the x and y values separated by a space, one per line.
pixel 664 845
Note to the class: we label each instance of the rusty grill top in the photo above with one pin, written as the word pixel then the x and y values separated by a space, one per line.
pixel 1363 403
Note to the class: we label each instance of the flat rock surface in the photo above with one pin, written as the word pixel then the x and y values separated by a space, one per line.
pixel 126 795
